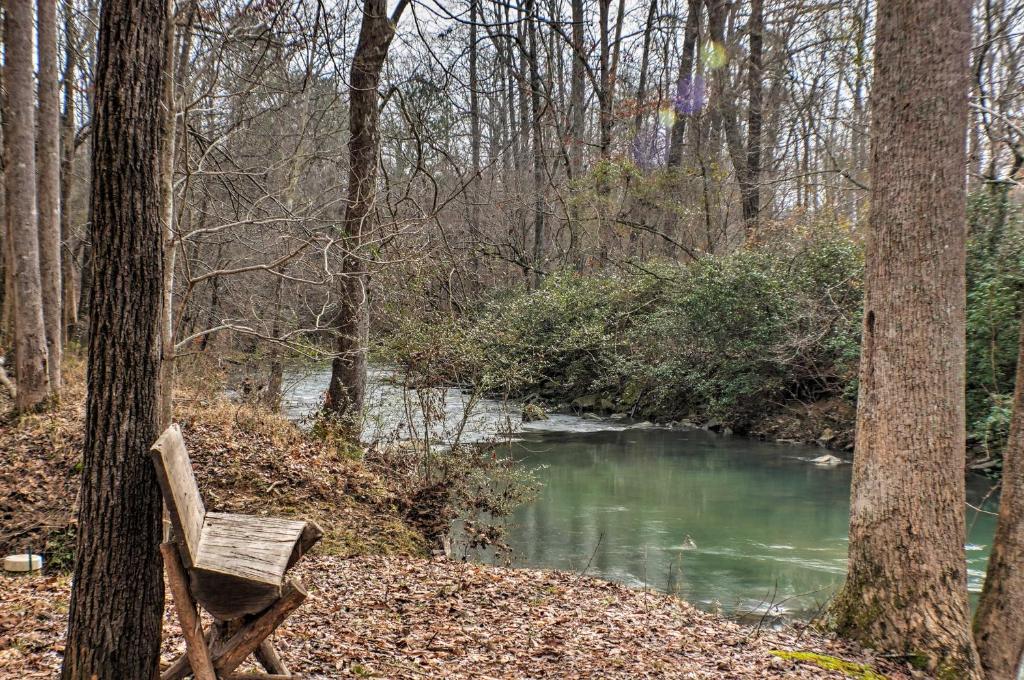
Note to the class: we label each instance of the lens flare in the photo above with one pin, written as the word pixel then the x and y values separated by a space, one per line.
pixel 689 99
pixel 666 117
pixel 713 55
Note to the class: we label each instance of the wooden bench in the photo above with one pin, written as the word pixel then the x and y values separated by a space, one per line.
pixel 233 566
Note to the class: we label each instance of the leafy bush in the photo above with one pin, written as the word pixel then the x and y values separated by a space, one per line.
pixel 723 337
pixel 732 338
pixel 995 299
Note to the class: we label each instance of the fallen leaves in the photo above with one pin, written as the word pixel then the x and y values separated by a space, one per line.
pixel 396 617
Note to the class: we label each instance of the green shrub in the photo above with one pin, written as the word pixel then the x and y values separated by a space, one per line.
pixel 731 338
pixel 995 300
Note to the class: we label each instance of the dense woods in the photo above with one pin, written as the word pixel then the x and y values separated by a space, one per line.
pixel 796 221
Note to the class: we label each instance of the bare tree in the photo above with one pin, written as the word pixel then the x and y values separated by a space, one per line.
pixel 999 622
pixel 22 230
pixel 48 190
pixel 347 388
pixel 117 597
pixel 906 588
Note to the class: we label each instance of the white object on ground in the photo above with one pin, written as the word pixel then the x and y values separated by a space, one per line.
pixel 23 562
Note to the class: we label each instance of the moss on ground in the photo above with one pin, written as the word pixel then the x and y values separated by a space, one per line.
pixel 831 663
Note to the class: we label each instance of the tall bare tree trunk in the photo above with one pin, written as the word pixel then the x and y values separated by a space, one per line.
pixel 687 87
pixel 604 97
pixel 906 589
pixel 23 236
pixel 536 112
pixel 117 597
pixel 999 623
pixel 751 189
pixel 474 136
pixel 577 122
pixel 641 88
pixel 169 243
pixel 69 303
pixel 347 388
pixel 48 190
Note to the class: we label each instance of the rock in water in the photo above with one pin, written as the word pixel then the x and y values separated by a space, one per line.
pixel 533 412
pixel 827 460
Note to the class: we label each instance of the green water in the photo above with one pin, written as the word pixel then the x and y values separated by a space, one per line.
pixel 766 525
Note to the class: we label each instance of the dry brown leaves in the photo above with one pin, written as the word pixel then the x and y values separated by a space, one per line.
pixel 415 618
pixel 246 460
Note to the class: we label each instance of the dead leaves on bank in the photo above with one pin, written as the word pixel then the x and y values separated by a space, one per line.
pixel 412 618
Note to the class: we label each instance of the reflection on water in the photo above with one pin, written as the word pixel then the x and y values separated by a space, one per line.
pixel 723 521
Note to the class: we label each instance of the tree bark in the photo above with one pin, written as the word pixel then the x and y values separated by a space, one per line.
pixel 48 190
pixel 641 88
pixel 117 596
pixel 347 388
pixel 23 236
pixel 538 145
pixel 69 303
pixel 576 90
pixel 169 244
pixel 906 588
pixel 686 92
pixel 604 96
pixel 751 190
pixel 999 623
pixel 474 138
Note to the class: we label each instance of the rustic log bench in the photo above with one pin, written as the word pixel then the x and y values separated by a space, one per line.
pixel 233 566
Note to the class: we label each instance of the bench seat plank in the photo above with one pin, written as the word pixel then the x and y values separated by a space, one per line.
pixel 247 546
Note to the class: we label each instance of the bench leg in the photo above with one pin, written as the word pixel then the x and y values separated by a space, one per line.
pixel 270 659
pixel 197 652
pixel 248 638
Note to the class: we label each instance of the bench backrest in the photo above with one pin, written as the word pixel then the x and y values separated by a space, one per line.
pixel 181 494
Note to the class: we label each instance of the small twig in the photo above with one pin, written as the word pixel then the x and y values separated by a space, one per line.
pixel 583 573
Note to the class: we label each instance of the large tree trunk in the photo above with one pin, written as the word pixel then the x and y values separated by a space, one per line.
pixel 23 237
pixel 906 590
pixel 117 597
pixel 48 190
pixel 999 623
pixel 347 388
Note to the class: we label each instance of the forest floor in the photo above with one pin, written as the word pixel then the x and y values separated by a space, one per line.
pixel 378 606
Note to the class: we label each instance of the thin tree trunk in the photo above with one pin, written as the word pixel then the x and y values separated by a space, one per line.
pixel 23 236
pixel 48 190
pixel 347 388
pixel 751 190
pixel 641 88
pixel 999 623
pixel 169 243
pixel 687 89
pixel 117 595
pixel 538 147
pixel 69 304
pixel 475 138
pixel 906 588
pixel 577 124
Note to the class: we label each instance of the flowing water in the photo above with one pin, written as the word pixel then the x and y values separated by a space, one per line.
pixel 726 522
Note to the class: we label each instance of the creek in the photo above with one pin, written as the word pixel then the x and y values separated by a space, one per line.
pixel 726 522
